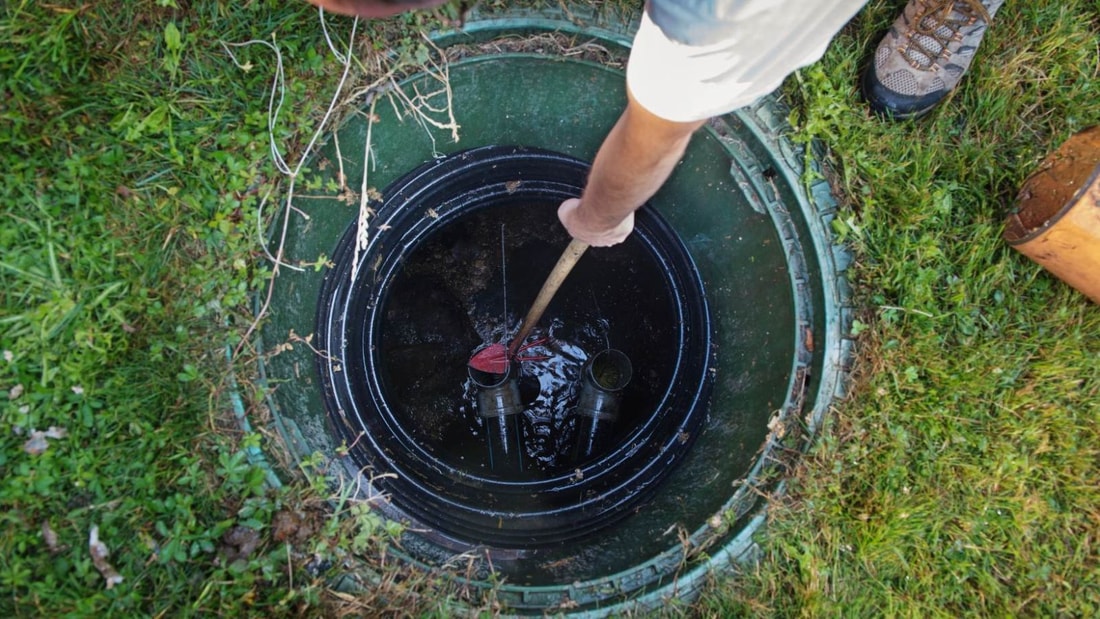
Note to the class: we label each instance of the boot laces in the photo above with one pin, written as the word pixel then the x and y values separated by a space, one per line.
pixel 938 24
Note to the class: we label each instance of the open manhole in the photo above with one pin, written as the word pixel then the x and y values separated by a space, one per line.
pixel 727 301
pixel 468 240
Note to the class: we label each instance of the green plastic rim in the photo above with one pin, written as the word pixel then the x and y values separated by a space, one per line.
pixel 771 212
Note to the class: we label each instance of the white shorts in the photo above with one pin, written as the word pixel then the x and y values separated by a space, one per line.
pixel 775 37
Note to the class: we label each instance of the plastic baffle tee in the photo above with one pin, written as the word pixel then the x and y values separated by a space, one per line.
pixel 499 406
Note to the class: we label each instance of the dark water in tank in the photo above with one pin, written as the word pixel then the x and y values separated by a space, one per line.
pixel 471 283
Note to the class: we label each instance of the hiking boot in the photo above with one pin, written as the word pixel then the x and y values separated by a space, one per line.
pixel 925 54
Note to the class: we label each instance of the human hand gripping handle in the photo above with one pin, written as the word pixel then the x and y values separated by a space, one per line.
pixel 584 233
pixel 585 228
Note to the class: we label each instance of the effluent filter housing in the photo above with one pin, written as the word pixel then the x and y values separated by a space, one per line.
pixel 717 328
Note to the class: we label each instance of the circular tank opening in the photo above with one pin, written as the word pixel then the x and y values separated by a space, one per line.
pixel 470 238
pixel 722 398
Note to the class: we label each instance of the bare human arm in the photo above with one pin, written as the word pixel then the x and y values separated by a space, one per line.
pixel 636 158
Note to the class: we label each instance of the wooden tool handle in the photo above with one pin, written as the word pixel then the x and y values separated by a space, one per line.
pixel 565 264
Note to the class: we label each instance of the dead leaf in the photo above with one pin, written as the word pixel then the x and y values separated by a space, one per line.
pixel 15 391
pixel 50 537
pixel 239 542
pixel 777 427
pixel 284 524
pixel 37 443
pixel 99 553
pixel 291 526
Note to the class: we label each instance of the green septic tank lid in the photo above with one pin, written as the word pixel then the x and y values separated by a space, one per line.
pixel 756 233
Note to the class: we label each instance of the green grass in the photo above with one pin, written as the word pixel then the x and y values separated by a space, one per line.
pixel 960 476
pixel 135 157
